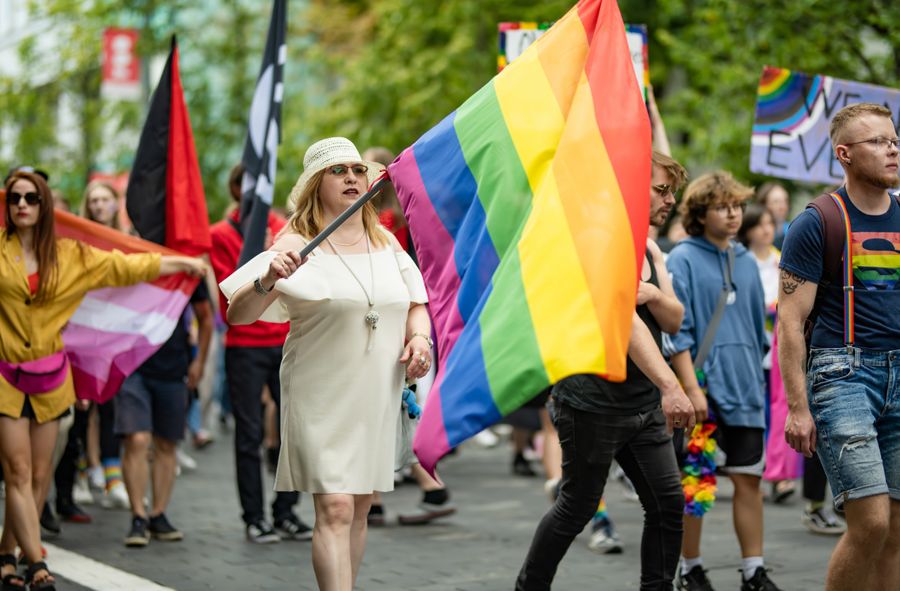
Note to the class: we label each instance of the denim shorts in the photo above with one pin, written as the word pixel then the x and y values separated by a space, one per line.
pixel 854 398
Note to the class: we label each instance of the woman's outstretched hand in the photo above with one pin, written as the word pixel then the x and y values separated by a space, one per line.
pixel 181 264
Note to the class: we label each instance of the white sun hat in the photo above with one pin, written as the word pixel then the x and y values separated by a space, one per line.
pixel 328 152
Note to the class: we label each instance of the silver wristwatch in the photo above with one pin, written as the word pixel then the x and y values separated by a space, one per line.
pixel 260 289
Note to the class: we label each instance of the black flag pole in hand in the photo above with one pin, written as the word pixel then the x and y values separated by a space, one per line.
pixel 263 136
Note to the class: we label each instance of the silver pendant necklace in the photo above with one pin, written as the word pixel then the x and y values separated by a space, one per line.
pixel 372 315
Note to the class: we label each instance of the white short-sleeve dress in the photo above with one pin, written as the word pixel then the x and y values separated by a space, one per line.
pixel 341 382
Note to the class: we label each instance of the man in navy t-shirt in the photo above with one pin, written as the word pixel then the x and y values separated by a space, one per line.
pixel 847 403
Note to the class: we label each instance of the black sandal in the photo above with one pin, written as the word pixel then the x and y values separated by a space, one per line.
pixel 12 581
pixel 48 584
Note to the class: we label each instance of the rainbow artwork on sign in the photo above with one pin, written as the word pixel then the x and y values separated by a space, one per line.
pixel 516 37
pixel 790 129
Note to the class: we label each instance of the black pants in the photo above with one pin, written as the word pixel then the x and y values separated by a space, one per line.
pixel 814 480
pixel 247 370
pixel 110 443
pixel 645 452
pixel 67 468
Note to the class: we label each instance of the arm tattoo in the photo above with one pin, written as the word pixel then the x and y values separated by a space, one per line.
pixel 790 282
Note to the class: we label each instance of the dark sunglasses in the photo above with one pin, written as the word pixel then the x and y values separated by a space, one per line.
pixel 31 198
pixel 664 190
pixel 341 169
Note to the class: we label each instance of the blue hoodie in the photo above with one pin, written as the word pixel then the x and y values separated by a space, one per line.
pixel 733 368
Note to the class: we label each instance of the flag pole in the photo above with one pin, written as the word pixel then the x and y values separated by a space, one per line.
pixel 375 189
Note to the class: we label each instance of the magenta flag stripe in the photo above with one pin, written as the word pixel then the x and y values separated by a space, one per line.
pixel 436 245
pixel 431 442
pixel 92 350
pixel 99 390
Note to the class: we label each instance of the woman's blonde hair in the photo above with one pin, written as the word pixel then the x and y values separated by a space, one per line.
pixel 86 213
pixel 308 218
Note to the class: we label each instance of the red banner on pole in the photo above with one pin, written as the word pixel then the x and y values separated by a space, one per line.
pixel 121 65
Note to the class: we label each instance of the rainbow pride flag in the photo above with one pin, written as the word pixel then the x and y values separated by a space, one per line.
pixel 528 209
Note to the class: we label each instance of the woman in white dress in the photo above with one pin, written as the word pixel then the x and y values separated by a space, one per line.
pixel 359 328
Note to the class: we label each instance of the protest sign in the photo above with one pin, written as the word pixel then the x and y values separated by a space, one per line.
pixel 515 37
pixel 793 111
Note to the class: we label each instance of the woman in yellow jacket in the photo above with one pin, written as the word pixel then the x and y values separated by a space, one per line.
pixel 42 282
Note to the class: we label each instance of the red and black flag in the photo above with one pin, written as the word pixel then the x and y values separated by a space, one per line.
pixel 165 198
pixel 263 136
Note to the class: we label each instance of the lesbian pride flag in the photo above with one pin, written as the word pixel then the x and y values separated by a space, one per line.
pixel 116 329
pixel 528 209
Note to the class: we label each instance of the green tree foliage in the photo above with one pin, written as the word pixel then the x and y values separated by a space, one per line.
pixel 706 57
pixel 385 71
pixel 397 67
pixel 220 48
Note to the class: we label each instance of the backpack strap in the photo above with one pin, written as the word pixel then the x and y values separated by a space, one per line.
pixel 834 236
pixel 837 260
pixel 847 270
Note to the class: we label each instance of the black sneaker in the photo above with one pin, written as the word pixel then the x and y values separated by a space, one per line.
pixel 522 467
pixel 760 581
pixel 261 532
pixel 375 518
pixel 49 522
pixel 291 528
pixel 160 528
pixel 138 537
pixel 693 580
pixel 272 459
pixel 72 513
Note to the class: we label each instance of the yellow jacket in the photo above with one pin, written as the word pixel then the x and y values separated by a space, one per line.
pixel 29 330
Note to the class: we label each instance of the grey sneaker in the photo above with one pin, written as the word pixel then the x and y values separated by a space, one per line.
pixel 138 537
pixel 426 513
pixel 160 528
pixel 819 521
pixel 291 528
pixel 261 533
pixel 604 539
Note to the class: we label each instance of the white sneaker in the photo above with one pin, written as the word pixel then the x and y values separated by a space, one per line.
pixel 551 488
pixel 185 461
pixel 81 492
pixel 628 490
pixel 116 498
pixel 486 438
pixel 96 479
pixel 820 521
pixel 604 539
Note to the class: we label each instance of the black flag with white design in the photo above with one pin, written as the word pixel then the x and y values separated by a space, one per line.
pixel 263 136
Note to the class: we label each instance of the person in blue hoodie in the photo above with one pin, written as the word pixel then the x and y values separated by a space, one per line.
pixel 701 265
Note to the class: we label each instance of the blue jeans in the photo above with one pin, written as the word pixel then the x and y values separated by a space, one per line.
pixel 854 398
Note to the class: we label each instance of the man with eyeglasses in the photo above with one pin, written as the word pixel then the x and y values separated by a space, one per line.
pixel 631 422
pixel 723 333
pixel 844 391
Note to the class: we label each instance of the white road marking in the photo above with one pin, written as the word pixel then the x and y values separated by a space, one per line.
pixel 95 575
